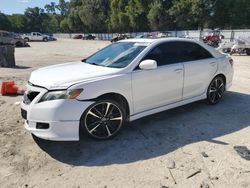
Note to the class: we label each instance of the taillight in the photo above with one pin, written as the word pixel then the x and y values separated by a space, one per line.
pixel 231 61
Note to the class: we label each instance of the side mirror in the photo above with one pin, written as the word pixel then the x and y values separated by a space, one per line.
pixel 148 64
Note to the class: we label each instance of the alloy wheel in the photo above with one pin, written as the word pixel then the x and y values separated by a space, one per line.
pixel 103 120
pixel 216 90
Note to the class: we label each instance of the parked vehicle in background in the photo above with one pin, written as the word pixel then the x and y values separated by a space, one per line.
pixel 35 36
pixel 212 37
pixel 77 37
pixel 124 81
pixel 51 36
pixel 89 37
pixel 119 37
pixel 11 38
pixel 239 46
pixel 140 36
pixel 164 35
pixel 213 43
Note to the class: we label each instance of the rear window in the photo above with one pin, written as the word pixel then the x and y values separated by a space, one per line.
pixel 177 52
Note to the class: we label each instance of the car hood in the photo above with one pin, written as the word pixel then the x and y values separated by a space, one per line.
pixel 63 76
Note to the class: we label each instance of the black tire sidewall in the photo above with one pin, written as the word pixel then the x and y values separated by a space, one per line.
pixel 82 120
pixel 209 87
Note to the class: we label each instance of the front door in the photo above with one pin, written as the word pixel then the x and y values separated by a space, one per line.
pixel 160 86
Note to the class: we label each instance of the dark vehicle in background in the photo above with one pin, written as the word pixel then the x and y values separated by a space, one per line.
pixel 50 36
pixel 77 37
pixel 119 37
pixel 140 36
pixel 89 37
pixel 12 38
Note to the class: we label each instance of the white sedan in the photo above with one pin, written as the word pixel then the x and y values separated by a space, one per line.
pixel 122 82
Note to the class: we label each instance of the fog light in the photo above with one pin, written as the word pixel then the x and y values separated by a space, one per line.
pixel 42 125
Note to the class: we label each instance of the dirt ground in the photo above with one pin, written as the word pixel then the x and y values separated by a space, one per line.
pixel 161 150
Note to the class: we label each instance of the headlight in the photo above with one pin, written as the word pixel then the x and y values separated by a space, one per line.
pixel 62 94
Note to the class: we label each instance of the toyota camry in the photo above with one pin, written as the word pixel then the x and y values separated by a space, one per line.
pixel 124 81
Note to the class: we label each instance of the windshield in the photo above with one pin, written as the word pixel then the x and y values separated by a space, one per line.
pixel 117 55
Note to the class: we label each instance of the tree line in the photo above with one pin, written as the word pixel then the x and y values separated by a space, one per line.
pixel 130 16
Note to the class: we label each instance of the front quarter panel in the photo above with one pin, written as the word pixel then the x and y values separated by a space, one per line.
pixel 120 84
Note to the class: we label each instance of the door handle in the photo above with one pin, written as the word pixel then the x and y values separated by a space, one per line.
pixel 178 70
pixel 212 63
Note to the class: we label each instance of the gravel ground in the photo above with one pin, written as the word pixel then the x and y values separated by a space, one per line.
pixel 189 146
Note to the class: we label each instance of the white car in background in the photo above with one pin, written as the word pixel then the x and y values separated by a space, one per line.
pixel 122 82
pixel 35 36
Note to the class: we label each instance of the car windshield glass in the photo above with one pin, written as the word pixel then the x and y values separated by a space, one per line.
pixel 117 55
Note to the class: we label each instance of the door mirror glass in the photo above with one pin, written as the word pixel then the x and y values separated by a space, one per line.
pixel 148 64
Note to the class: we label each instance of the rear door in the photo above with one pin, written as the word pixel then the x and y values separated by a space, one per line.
pixel 200 67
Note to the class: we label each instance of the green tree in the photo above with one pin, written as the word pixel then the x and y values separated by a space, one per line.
pixel 18 22
pixel 231 14
pixel 64 26
pixel 118 20
pixel 50 8
pixel 35 18
pixel 93 15
pixel 5 23
pixel 50 23
pixel 192 14
pixel 137 13
pixel 63 7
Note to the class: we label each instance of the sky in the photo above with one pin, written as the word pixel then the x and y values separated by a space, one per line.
pixel 19 6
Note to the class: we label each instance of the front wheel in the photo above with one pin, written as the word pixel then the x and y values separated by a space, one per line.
pixel 215 90
pixel 103 119
pixel 45 39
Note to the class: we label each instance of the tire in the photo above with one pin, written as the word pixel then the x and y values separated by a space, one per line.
pixel 45 39
pixel 19 44
pixel 247 51
pixel 216 90
pixel 103 119
pixel 26 39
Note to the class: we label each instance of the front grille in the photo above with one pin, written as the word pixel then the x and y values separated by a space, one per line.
pixel 29 96
pixel 24 114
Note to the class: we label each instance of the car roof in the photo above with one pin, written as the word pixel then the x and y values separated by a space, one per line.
pixel 213 51
pixel 149 40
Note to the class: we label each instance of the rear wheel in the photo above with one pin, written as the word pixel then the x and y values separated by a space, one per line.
pixel 103 119
pixel 248 51
pixel 216 90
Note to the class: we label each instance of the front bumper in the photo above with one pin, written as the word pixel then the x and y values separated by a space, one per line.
pixel 63 116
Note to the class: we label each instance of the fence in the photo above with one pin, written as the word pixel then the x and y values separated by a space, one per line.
pixel 229 35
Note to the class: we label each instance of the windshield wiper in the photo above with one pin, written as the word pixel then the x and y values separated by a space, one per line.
pixel 94 64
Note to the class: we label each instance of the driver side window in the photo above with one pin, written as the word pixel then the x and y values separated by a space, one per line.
pixel 164 54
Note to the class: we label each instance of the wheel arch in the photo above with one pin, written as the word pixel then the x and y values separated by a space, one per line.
pixel 118 98
pixel 222 76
